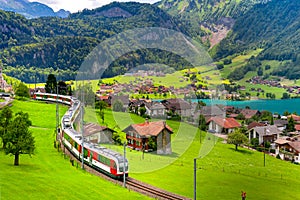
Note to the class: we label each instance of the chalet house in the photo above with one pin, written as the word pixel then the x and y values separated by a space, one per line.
pixel 150 135
pixel 297 127
pixel 254 124
pixel 105 98
pixel 281 124
pixel 288 149
pixel 98 134
pixel 248 113
pixel 124 99
pixel 212 111
pixel 267 133
pixel 222 125
pixel 209 112
pixel 296 118
pixel 179 106
pixel 156 109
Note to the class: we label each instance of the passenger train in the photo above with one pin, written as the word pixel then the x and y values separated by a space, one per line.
pixel 100 158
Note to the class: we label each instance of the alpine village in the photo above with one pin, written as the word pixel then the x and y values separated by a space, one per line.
pixel 168 99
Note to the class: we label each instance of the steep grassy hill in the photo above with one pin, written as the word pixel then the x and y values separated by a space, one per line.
pixel 272 26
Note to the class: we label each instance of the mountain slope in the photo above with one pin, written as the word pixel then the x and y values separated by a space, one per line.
pixel 30 9
pixel 217 16
pixel 63 43
pixel 275 28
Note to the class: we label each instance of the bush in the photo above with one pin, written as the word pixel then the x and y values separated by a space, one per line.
pixel 272 150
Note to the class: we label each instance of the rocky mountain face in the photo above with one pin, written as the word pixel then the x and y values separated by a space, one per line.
pixel 217 17
pixel 31 9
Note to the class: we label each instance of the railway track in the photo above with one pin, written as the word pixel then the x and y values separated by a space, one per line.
pixel 152 191
pixel 131 184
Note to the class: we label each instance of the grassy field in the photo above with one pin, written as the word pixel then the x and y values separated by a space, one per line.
pixel 48 175
pixel 222 174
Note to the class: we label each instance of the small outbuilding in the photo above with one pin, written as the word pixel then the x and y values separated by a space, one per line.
pixel 98 134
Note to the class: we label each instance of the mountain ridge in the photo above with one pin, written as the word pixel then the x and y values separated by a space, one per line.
pixel 31 9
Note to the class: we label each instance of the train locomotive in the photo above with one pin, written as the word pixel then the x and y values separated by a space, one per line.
pixel 100 158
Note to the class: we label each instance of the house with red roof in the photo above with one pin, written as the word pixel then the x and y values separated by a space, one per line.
pixel 150 136
pixel 296 118
pixel 222 125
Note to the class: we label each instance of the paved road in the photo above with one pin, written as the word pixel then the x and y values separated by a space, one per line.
pixel 7 101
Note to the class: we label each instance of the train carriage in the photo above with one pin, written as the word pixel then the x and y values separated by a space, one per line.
pixel 98 157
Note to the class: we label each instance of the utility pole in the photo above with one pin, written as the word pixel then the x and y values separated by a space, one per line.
pixel 195 177
pixel 264 149
pixel 82 132
pixel 57 113
pixel 124 167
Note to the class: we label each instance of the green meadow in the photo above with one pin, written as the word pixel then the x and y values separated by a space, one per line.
pixel 222 172
pixel 47 174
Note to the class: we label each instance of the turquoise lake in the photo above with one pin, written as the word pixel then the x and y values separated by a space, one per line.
pixel 279 106
pixel 274 106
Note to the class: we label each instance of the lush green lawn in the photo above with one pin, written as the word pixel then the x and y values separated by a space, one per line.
pixel 48 175
pixel 222 172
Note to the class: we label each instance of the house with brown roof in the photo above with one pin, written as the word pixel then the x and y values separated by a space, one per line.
pixel 222 125
pixel 288 149
pixel 150 136
pixel 268 133
pixel 98 134
pixel 124 99
pixel 248 113
pixel 179 106
pixel 254 124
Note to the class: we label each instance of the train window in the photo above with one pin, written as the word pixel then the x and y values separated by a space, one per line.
pixel 85 154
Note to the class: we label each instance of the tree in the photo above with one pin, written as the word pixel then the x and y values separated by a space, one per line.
pixel 202 123
pixel 51 84
pixel 220 66
pixel 19 138
pixel 5 119
pixel 237 138
pixel 260 72
pixel 142 111
pixel 101 105
pixel 285 95
pixel 62 88
pixel 291 125
pixel 118 106
pixel 85 94
pixel 22 90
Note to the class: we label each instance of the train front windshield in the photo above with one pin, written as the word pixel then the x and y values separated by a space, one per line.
pixel 121 166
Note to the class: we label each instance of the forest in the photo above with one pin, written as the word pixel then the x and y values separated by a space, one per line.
pixel 30 48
